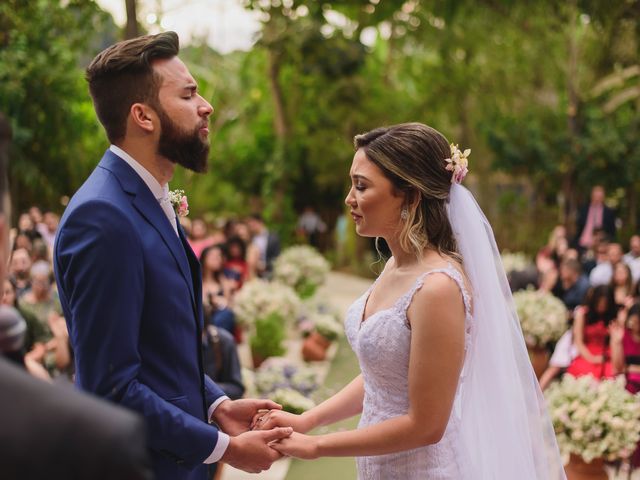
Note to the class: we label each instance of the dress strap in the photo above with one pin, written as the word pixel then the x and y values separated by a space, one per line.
pixel 452 273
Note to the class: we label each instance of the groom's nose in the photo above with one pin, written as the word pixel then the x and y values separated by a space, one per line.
pixel 205 109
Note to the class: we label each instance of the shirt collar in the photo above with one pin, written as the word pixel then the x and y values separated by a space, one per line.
pixel 158 191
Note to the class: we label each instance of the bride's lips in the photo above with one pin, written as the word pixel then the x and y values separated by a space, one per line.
pixel 356 217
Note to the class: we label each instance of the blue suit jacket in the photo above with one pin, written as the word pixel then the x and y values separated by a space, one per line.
pixel 132 297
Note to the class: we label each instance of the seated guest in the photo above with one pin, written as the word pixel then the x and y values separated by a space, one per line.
pixel 237 259
pixel 221 361
pixel 20 270
pixel 625 348
pixel 198 236
pixel 572 285
pixel 591 334
pixel 622 283
pixel 603 271
pixel 218 287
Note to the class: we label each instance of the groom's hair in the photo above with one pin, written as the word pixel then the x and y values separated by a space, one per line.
pixel 123 74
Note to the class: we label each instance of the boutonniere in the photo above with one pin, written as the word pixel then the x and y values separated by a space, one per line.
pixel 179 202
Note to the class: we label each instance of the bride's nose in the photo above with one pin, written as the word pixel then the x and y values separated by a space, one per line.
pixel 350 200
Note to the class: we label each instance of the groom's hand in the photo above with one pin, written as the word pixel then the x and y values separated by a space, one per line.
pixel 235 416
pixel 251 452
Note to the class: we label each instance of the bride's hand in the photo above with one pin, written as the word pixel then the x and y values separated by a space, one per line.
pixel 279 418
pixel 297 446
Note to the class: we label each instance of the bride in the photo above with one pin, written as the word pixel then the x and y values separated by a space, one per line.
pixel 446 389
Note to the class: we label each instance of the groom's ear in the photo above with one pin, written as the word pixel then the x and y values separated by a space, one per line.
pixel 143 116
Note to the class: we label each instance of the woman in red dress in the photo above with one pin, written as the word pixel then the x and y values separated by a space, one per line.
pixel 591 334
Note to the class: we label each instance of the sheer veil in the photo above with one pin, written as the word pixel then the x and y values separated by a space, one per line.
pixel 505 427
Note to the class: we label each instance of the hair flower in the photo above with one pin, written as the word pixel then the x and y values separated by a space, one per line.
pixel 179 202
pixel 458 164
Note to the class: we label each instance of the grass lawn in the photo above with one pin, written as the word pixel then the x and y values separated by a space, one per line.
pixel 344 368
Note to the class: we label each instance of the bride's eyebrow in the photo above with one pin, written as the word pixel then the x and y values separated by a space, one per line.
pixel 357 176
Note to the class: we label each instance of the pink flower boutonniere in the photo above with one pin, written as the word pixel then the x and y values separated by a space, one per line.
pixel 179 202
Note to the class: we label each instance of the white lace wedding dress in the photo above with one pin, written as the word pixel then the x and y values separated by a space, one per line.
pixel 381 343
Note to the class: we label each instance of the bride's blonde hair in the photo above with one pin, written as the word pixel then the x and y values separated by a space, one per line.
pixel 412 156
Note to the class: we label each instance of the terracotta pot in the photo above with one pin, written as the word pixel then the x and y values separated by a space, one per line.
pixel 257 359
pixel 314 347
pixel 578 469
pixel 539 357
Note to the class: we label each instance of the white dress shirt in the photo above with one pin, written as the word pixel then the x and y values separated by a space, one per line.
pixel 161 193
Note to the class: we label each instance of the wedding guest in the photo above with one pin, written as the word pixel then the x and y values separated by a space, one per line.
pixel 572 284
pixel 42 303
pixel 625 348
pixel 310 226
pixel 199 237
pixel 27 227
pixel 221 361
pixel 217 289
pixel 267 243
pixel 19 270
pixel 591 334
pixel 632 258
pixel 237 259
pixel 593 216
pixel 252 253
pixel 634 250
pixel 603 271
pixel 622 283
pixel 48 228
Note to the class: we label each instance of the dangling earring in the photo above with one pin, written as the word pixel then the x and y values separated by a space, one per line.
pixel 404 214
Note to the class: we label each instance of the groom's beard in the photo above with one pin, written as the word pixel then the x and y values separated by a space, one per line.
pixel 181 147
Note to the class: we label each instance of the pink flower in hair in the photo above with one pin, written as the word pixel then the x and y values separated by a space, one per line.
pixel 458 164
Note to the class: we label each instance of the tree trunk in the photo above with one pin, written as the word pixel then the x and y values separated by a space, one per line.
pixel 131 30
pixel 568 181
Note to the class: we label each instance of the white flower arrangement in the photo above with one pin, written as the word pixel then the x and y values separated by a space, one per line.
pixel 594 419
pixel 292 401
pixel 543 317
pixel 276 374
pixel 259 299
pixel 302 268
pixel 515 262
pixel 327 326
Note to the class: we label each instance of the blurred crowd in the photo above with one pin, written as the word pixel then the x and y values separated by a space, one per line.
pixel 34 333
pixel 598 280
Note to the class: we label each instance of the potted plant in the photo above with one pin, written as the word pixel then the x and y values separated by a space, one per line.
pixel 265 309
pixel 594 422
pixel 302 268
pixel 266 340
pixel 543 319
pixel 326 330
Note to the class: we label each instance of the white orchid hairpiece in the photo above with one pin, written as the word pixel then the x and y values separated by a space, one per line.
pixel 458 164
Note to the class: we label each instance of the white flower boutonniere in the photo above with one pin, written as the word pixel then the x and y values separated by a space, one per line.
pixel 179 202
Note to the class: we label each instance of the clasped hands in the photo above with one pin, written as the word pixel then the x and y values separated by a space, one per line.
pixel 260 433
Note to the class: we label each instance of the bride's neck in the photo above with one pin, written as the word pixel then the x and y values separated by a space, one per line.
pixel 403 259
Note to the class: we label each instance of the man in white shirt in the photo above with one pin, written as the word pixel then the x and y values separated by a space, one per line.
pixel 603 271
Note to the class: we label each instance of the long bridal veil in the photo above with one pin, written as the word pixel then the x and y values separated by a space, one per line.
pixel 506 430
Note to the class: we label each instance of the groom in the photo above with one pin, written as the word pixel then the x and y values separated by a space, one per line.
pixel 129 284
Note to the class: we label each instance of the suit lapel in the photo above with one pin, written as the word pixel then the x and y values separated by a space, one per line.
pixel 148 206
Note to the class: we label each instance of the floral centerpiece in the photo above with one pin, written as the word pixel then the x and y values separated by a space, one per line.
pixel 543 317
pixel 515 262
pixel 594 420
pixel 302 268
pixel 266 308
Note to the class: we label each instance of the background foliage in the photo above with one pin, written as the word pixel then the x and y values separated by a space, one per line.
pixel 545 93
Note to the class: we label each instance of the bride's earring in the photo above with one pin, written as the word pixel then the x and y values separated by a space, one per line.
pixel 404 214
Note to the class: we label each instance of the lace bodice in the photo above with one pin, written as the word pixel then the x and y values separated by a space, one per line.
pixel 382 344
